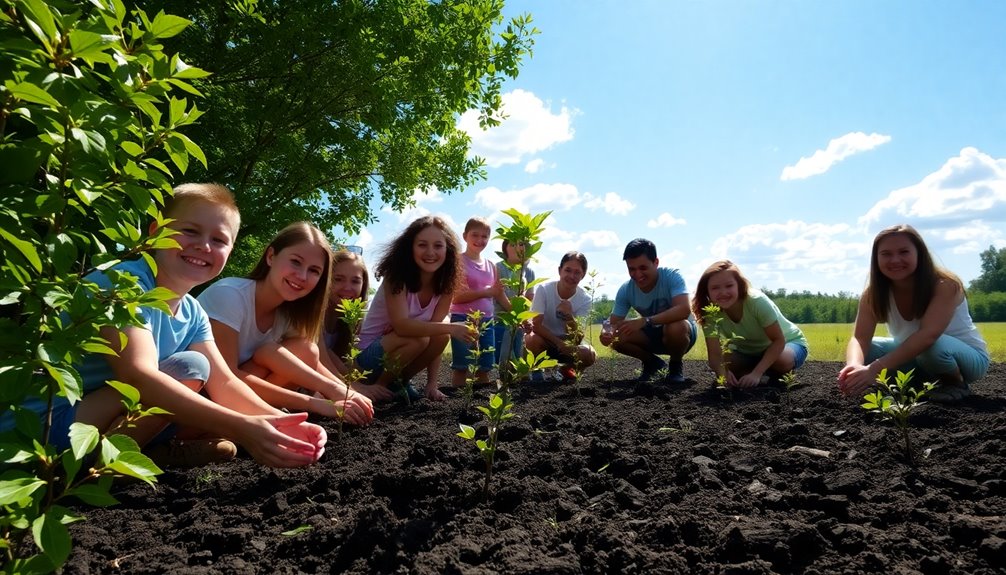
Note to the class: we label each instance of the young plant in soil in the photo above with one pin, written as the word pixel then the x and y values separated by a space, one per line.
pixel 896 402
pixel 573 338
pixel 352 311
pixel 524 230
pixel 714 317
pixel 474 320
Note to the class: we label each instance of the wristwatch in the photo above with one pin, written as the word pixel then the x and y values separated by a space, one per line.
pixel 649 321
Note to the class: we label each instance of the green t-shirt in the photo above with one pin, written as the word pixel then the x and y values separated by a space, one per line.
pixel 758 312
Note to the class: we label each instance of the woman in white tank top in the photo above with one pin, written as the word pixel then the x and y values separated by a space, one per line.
pixel 926 313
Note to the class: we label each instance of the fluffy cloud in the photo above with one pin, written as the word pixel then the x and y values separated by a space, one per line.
pixel 838 149
pixel 534 166
pixel 969 188
pixel 537 198
pixel 665 220
pixel 529 127
pixel 611 202
pixel 766 252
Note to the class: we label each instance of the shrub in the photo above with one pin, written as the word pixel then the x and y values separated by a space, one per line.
pixel 89 132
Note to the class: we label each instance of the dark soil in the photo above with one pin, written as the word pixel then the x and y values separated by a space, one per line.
pixel 622 478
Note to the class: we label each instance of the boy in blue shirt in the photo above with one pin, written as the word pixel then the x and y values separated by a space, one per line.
pixel 172 358
pixel 665 325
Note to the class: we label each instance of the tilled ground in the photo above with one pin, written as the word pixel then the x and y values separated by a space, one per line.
pixel 617 478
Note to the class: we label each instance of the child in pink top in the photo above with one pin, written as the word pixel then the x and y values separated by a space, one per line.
pixel 480 288
pixel 404 331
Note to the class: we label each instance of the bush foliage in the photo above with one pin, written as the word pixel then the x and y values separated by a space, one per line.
pixel 90 120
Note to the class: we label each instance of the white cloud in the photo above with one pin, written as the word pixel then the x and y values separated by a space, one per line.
pixel 665 220
pixel 611 203
pixel 529 127
pixel 365 238
pixel 534 166
pixel 838 149
pixel 768 253
pixel 967 189
pixel 537 198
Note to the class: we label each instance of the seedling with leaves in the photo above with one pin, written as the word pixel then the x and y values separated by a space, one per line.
pixel 475 320
pixel 896 402
pixel 524 230
pixel 714 317
pixel 351 313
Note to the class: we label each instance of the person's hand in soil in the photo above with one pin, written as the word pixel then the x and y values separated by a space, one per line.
pixel 363 403
pixel 374 392
pixel 854 380
pixel 433 393
pixel 746 381
pixel 353 412
pixel 282 440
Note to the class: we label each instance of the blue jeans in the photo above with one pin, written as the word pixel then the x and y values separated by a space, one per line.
pixel 799 356
pixel 947 355
pixel 460 351
pixel 504 338
pixel 184 365
pixel 371 360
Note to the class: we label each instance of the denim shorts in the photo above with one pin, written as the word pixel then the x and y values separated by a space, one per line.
pixel 460 351
pixel 184 366
pixel 372 360
pixel 655 337
pixel 799 355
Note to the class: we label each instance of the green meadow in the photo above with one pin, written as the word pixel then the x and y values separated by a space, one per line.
pixel 827 340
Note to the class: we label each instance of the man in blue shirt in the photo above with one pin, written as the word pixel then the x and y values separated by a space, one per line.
pixel 665 325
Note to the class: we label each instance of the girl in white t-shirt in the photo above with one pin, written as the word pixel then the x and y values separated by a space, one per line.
pixel 404 331
pixel 267 327
pixel 560 304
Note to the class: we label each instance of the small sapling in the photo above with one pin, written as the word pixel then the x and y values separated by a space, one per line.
pixel 713 318
pixel 352 311
pixel 474 320
pixel 896 402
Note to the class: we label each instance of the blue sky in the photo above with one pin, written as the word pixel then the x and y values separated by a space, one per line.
pixel 780 135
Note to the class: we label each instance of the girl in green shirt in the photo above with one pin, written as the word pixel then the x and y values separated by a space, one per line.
pixel 762 341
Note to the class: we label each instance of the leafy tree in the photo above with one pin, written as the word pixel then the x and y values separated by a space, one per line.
pixel 317 107
pixel 993 276
pixel 88 132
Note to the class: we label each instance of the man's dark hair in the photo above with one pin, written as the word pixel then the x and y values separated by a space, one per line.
pixel 640 247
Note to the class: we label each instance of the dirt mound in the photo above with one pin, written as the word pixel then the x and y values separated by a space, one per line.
pixel 620 478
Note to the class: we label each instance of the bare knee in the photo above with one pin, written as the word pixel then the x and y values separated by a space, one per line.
pixel 305 350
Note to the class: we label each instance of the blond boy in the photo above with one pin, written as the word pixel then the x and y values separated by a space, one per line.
pixel 171 359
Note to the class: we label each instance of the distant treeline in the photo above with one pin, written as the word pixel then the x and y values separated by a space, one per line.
pixel 807 307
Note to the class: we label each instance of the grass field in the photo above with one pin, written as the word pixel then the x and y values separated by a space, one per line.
pixel 827 341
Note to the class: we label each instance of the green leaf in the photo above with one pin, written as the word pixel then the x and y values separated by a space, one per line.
pixel 93 494
pixel 40 21
pixel 17 485
pixel 467 431
pixel 69 382
pixel 135 464
pixel 83 439
pixel 128 391
pixel 167 25
pixel 26 249
pixel 32 93
pixel 131 148
pixel 87 45
pixel 296 531
pixel 52 536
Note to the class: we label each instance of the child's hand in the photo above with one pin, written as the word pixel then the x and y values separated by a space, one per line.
pixel 746 381
pixel 464 332
pixel 854 380
pixel 433 393
pixel 374 392
pixel 282 440
pixel 352 412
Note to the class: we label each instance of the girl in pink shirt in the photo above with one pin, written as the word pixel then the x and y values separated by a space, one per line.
pixel 478 290
pixel 404 331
